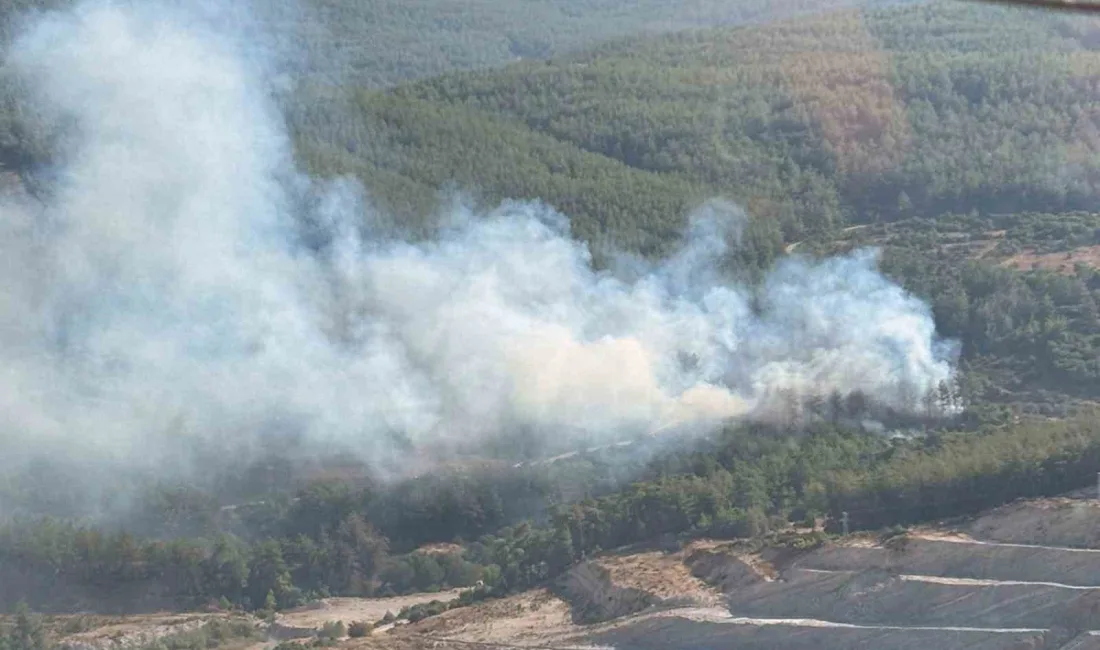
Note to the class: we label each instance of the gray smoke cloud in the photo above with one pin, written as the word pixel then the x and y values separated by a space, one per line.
pixel 161 297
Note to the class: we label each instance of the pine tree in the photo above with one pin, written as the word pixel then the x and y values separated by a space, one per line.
pixel 28 633
pixel 561 550
pixel 269 575
pixel 905 204
pixel 270 603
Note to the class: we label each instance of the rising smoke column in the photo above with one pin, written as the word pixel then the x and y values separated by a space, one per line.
pixel 161 300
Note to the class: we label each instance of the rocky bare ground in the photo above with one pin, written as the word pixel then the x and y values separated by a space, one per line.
pixel 77 632
pixel 1025 576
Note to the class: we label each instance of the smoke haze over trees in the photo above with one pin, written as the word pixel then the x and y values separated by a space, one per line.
pixel 200 306
pixel 183 292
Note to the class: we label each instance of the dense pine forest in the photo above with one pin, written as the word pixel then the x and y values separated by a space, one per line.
pixel 959 139
pixel 382 42
pixel 385 41
pixel 852 118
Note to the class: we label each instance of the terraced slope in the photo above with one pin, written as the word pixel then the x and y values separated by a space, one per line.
pixel 1024 576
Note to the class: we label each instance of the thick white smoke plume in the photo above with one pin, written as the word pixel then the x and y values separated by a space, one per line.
pixel 162 295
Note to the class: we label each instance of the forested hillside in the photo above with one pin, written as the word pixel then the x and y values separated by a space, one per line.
pixel 858 117
pixel 336 539
pixel 1019 290
pixel 855 117
pixel 852 117
pixel 381 42
pixel 960 139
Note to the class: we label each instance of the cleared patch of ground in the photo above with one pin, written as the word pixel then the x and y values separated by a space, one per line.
pixel 349 610
pixel 662 575
pixel 531 619
pixel 86 632
pixel 1060 262
pixel 1002 580
pixel 442 548
pixel 686 633
pixel 131 632
pixel 725 567
pixel 1024 576
pixel 1050 522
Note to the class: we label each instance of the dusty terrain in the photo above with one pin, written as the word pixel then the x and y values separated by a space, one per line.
pixel 1024 576
pixel 1061 262
pixel 349 610
pixel 91 632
